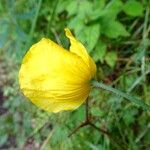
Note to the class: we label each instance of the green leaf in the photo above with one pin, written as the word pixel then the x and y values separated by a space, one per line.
pixel 98 4
pixel 92 35
pixel 133 8
pixel 99 52
pixel 97 9
pixel 61 5
pixel 89 36
pixel 77 24
pixel 72 8
pixel 114 29
pixel 104 14
pixel 85 8
pixel 113 8
pixel 111 58
pixel 129 115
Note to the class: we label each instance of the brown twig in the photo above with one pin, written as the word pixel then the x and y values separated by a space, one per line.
pixel 87 109
pixel 99 129
pixel 130 59
pixel 109 135
pixel 77 128
pixel 88 121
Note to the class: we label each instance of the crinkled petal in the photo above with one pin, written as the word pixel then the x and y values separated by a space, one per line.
pixel 54 78
pixel 77 48
pixel 54 101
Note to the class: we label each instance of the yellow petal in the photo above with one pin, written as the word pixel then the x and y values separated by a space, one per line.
pixel 53 78
pixel 77 48
pixel 54 101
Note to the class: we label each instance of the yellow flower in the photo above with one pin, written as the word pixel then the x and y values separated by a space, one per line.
pixel 54 78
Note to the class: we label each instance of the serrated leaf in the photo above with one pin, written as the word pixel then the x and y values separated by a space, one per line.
pixel 114 29
pixel 133 8
pixel 99 52
pixel 111 58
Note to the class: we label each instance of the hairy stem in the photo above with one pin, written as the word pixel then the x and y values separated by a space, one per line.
pixel 133 99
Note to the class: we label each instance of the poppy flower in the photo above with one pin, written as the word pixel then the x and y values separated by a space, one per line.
pixel 56 79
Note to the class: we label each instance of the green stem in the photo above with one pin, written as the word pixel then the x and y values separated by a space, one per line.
pixel 52 17
pixel 34 21
pixel 135 100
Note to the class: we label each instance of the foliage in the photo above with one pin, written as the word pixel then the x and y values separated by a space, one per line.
pixel 115 32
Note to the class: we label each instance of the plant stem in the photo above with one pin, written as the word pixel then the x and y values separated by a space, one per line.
pixel 52 16
pixel 135 100
pixel 119 145
pixel 33 25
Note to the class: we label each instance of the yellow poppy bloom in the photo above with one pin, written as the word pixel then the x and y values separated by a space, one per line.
pixel 54 78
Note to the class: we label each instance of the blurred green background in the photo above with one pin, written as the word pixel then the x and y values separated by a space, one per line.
pixel 116 35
